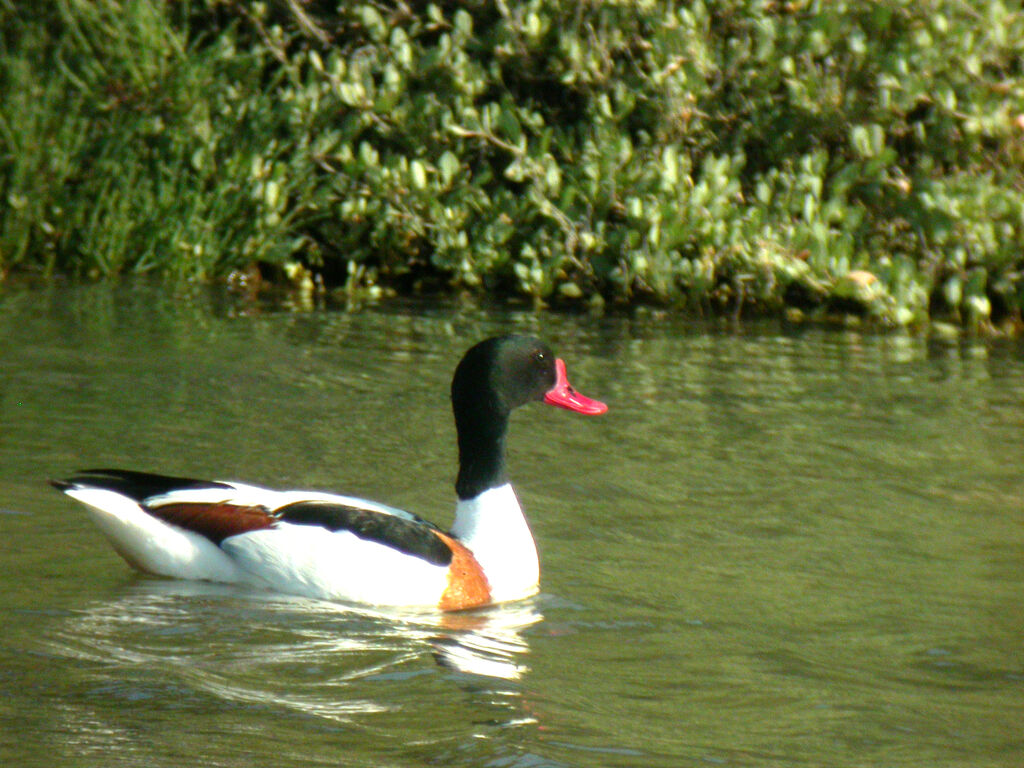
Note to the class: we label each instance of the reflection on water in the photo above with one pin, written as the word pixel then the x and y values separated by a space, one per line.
pixel 156 655
pixel 298 654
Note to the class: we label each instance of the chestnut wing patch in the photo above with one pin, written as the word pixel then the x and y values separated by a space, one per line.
pixel 413 535
pixel 214 521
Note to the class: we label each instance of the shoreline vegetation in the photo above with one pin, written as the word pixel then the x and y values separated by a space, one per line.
pixel 799 159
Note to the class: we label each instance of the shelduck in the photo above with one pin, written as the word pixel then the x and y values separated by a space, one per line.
pixel 336 547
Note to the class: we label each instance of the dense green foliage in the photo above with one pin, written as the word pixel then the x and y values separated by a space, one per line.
pixel 820 155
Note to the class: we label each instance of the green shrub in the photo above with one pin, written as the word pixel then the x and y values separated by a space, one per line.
pixel 725 154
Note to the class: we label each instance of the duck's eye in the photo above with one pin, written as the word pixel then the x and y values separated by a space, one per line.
pixel 539 357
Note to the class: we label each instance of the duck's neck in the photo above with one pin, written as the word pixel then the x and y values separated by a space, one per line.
pixel 488 518
pixel 481 435
pixel 491 524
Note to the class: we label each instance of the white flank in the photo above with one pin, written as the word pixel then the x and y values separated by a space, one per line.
pixel 492 525
pixel 308 560
pixel 153 546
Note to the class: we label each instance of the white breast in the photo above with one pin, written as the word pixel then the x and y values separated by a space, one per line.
pixel 493 527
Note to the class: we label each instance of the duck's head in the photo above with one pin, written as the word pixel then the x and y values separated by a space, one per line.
pixel 505 372
pixel 493 377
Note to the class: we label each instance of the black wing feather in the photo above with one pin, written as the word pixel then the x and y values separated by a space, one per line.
pixel 414 537
pixel 136 485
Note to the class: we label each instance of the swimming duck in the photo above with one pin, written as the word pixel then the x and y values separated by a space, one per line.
pixel 337 547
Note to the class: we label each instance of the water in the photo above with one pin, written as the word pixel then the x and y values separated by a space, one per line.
pixel 777 548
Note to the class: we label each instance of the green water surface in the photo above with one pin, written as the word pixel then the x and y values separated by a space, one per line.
pixel 778 548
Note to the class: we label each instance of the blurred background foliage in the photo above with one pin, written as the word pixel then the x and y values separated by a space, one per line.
pixel 800 157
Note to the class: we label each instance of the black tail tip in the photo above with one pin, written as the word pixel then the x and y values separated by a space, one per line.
pixel 61 485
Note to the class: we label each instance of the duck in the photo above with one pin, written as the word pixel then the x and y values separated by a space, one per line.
pixel 343 548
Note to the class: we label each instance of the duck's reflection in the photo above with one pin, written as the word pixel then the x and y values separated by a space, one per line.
pixel 318 658
pixel 488 642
